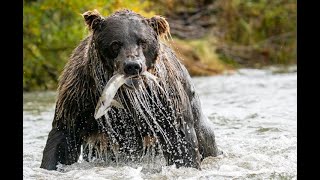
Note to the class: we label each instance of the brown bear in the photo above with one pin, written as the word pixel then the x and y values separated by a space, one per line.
pixel 164 113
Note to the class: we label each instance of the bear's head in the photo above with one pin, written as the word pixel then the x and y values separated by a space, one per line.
pixel 126 42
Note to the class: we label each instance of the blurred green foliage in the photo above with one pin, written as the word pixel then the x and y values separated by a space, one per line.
pixel 259 32
pixel 264 31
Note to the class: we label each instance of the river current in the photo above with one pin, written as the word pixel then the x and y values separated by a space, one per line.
pixel 254 113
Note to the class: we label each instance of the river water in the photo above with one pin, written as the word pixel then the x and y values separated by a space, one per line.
pixel 254 113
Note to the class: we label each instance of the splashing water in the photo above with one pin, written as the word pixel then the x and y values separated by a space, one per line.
pixel 144 108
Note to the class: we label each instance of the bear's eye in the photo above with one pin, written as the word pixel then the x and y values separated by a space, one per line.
pixel 115 46
pixel 142 43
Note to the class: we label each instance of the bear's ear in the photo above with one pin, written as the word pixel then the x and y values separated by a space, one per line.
pixel 160 25
pixel 92 19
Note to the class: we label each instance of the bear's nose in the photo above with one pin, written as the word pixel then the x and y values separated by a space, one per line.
pixel 132 68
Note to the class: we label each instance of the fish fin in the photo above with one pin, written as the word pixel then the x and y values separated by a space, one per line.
pixel 116 104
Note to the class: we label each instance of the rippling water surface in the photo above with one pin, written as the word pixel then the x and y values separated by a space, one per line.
pixel 254 113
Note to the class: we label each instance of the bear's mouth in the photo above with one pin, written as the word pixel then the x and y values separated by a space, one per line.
pixel 133 82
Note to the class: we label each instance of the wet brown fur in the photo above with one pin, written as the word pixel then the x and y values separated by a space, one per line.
pixel 84 78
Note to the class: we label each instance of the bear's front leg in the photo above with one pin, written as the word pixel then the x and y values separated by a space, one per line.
pixel 61 147
pixel 182 149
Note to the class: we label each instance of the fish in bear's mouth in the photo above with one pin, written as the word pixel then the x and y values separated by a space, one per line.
pixel 115 82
